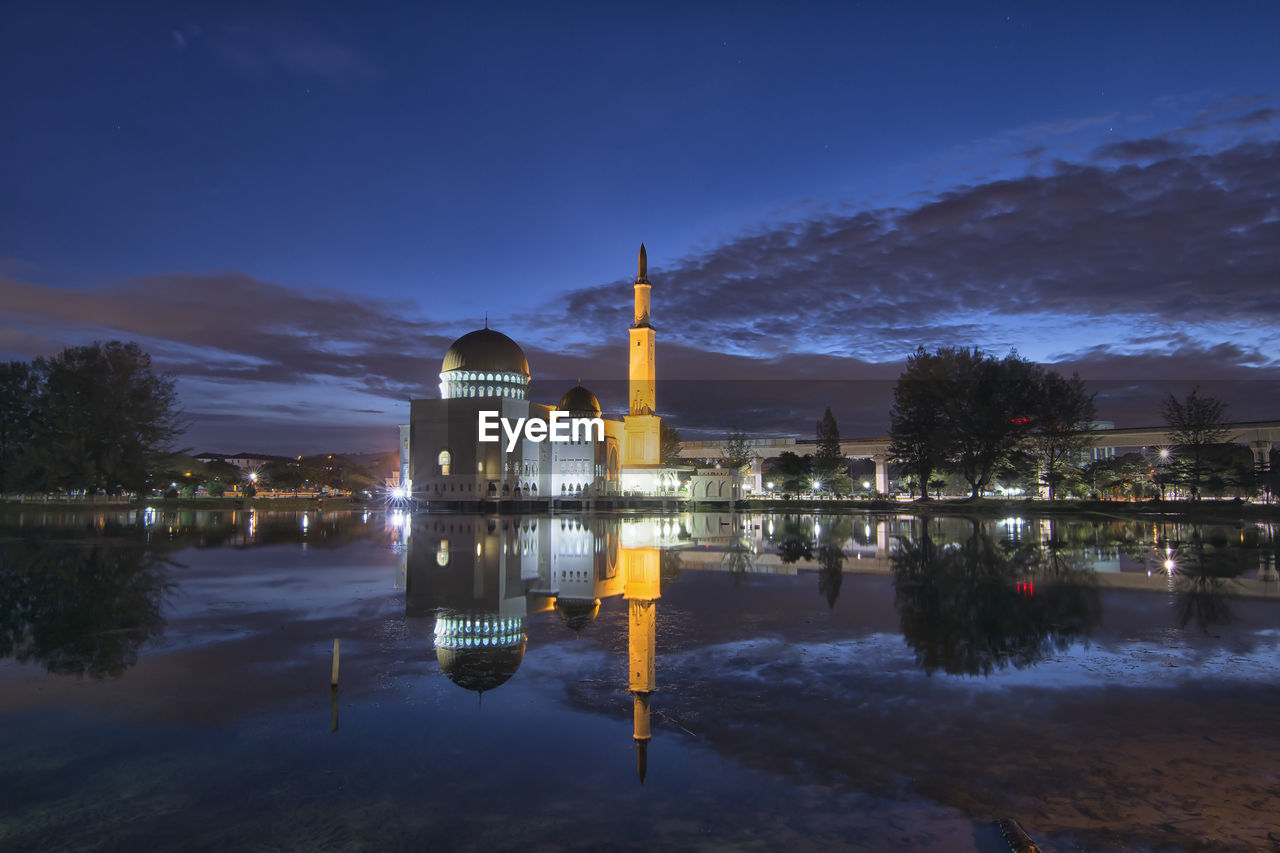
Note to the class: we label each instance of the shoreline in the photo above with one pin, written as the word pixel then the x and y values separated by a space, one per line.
pixel 1217 511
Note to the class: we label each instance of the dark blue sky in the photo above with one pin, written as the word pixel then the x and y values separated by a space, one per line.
pixel 295 207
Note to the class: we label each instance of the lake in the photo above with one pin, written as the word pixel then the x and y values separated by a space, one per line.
pixel 706 681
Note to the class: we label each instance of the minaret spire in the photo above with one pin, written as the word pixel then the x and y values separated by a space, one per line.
pixel 642 379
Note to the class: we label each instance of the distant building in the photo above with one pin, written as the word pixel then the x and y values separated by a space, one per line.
pixel 249 463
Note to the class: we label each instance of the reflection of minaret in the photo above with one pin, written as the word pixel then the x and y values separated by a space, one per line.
pixel 641 573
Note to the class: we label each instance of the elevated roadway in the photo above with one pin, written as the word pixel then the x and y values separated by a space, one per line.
pixel 1260 436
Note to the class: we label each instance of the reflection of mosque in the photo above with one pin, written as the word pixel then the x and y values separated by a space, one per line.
pixel 482 577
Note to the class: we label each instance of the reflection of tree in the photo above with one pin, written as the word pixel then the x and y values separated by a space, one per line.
pixel 669 566
pixel 831 571
pixel 737 559
pixel 980 605
pixel 835 533
pixel 796 541
pixel 1205 580
pixel 792 541
pixel 79 608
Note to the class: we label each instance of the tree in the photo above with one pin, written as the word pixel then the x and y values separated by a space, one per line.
pixel 669 446
pixel 918 431
pixel 285 476
pixel 19 389
pixel 791 473
pixel 1063 426
pixel 737 450
pixel 990 406
pixel 828 461
pixel 1127 476
pixel 102 417
pixel 1196 425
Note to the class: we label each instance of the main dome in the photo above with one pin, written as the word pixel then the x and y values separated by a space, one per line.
pixel 487 350
pixel 478 651
pixel 484 363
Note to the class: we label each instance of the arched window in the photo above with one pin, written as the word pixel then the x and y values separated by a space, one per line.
pixel 445 460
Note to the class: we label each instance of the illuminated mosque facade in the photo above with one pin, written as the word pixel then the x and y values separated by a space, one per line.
pixel 443 461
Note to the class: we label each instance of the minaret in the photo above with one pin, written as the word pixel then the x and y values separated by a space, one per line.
pixel 643 377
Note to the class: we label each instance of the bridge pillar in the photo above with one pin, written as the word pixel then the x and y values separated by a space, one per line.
pixel 882 540
pixel 1262 455
pixel 757 476
pixel 882 474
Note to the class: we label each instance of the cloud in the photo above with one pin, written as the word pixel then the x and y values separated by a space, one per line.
pixel 1188 241
pixel 233 328
pixel 1140 149
pixel 1150 266
pixel 258 51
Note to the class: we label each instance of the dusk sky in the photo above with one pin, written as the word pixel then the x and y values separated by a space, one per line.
pixel 295 208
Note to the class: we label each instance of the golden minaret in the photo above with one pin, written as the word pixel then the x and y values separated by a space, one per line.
pixel 642 425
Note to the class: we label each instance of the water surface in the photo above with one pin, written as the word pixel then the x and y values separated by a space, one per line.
pixel 698 681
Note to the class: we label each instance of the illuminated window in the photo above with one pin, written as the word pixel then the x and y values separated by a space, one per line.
pixel 442 553
pixel 445 460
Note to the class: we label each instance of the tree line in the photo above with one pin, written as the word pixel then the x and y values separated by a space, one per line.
pixel 964 419
pixel 965 414
pixel 92 419
pixel 964 411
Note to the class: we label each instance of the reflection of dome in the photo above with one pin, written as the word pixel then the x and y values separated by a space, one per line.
pixel 580 401
pixel 478 651
pixel 577 613
pixel 484 363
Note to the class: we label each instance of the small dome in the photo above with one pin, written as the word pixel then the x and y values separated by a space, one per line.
pixel 577 613
pixel 485 349
pixel 579 400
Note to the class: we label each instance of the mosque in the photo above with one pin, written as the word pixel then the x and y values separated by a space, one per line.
pixel 443 460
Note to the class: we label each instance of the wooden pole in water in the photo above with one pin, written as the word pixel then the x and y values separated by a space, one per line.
pixel 334 680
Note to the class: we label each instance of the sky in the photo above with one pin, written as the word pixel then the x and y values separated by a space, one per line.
pixel 296 207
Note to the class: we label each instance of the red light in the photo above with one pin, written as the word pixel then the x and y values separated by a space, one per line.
pixel 1023 420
